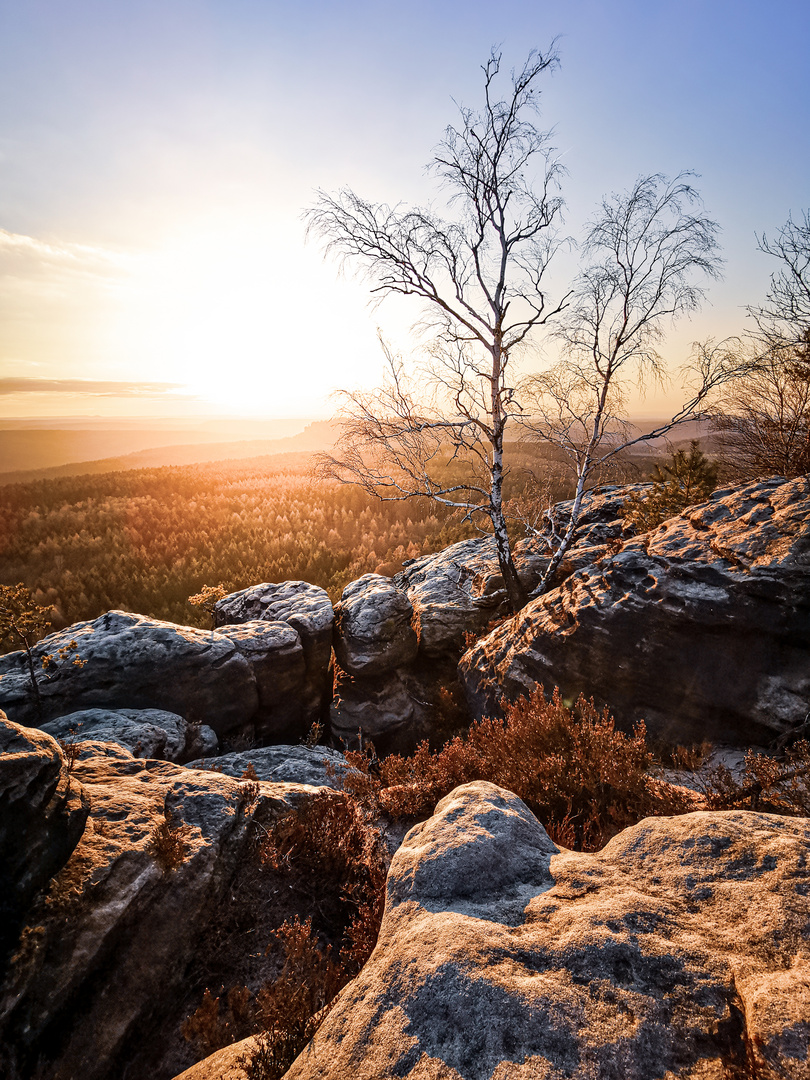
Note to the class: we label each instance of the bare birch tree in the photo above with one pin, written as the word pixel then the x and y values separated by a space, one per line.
pixel 643 255
pixel 481 278
pixel 765 421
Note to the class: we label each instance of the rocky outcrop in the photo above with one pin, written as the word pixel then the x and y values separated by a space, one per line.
pixel 42 814
pixel 276 656
pixel 147 733
pixel 398 640
pixel 305 608
pixel 700 627
pixel 317 766
pixel 133 662
pixel 679 950
pixel 118 949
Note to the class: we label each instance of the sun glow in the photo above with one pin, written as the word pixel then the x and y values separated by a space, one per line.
pixel 246 318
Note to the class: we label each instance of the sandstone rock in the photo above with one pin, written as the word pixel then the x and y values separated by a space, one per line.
pixel 132 662
pixel 118 952
pixel 276 655
pixel 678 951
pixel 308 610
pixel 700 627
pixel 378 709
pixel 42 815
pixel 225 1064
pixel 147 733
pixel 318 767
pixel 373 631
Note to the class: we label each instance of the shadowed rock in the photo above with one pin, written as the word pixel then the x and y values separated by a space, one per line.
pixel 147 733
pixel 42 815
pixel 132 662
pixel 308 610
pixel 700 627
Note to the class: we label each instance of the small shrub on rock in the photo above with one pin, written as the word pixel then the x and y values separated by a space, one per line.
pixel 167 843
pixel 685 480
pixel 768 784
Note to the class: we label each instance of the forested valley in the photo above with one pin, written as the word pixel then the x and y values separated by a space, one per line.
pixel 145 540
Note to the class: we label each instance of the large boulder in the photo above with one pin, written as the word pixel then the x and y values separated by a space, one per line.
pixel 373 627
pixel 129 661
pixel 276 656
pixel 700 627
pixel 308 610
pixel 43 811
pixel 119 948
pixel 678 951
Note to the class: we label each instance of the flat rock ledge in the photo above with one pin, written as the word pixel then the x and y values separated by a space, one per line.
pixel 681 950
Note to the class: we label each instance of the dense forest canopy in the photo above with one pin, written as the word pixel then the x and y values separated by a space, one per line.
pixel 145 540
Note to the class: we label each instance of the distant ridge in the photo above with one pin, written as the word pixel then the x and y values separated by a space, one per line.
pixel 319 435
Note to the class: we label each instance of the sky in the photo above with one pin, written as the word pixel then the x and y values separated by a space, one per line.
pixel 156 157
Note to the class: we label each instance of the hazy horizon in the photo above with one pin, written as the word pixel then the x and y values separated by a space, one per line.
pixel 156 161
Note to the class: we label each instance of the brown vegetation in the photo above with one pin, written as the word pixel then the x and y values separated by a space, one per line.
pixel 337 865
pixel 580 776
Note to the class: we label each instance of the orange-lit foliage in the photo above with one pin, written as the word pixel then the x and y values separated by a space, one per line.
pixel 581 777
pixel 145 540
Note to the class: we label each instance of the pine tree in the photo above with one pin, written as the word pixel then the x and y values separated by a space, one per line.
pixel 686 479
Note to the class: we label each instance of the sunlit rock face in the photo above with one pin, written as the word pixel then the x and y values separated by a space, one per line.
pixel 147 733
pixel 700 627
pixel 113 948
pixel 679 950
pixel 307 610
pixel 132 662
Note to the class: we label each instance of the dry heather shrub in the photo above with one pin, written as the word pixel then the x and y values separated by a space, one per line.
pixel 338 864
pixel 329 841
pixel 767 784
pixel 291 1009
pixel 581 777
pixel 167 843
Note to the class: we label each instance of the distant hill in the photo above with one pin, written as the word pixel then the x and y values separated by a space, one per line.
pixel 39 444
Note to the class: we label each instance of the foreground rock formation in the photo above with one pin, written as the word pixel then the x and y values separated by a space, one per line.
pixel 42 817
pixel 680 950
pixel 119 921
pixel 700 627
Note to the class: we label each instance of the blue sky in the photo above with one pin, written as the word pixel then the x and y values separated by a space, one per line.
pixel 155 159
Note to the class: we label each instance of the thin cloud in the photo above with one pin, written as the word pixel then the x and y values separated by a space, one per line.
pixel 91 387
pixel 18 251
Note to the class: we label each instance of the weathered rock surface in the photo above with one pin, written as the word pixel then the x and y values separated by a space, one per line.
pixel 700 627
pixel 308 610
pixel 378 709
pixel 133 662
pixel 118 950
pixel 318 767
pixel 42 815
pixel 680 950
pixel 276 656
pixel 147 733
pixel 373 631
pixel 398 640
